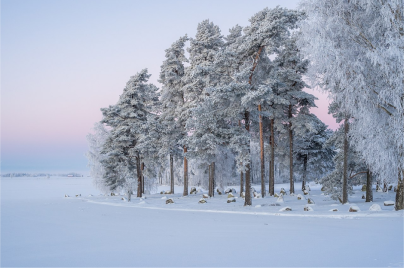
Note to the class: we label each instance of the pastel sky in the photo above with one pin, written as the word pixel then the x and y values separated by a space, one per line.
pixel 61 61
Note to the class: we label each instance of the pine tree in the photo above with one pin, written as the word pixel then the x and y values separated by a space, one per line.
pixel 172 118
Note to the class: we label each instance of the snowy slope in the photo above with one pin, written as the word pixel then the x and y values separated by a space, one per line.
pixel 40 227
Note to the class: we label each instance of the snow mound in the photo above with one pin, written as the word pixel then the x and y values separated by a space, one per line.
pixel 257 195
pixel 375 207
pixel 300 197
pixel 258 206
pixel 230 200
pixel 164 197
pixel 286 209
pixel 389 203
pixel 280 199
pixel 142 202
pixel 354 208
pixel 334 209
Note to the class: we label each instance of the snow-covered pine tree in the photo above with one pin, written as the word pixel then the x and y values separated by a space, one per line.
pixel 173 116
pixel 310 153
pixel 357 55
pixel 288 95
pixel 127 120
pixel 198 76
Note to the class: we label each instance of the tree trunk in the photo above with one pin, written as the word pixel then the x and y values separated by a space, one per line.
pixel 185 173
pixel 171 174
pixel 304 172
pixel 247 200
pixel 263 191
pixel 345 177
pixel 212 175
pixel 142 177
pixel 369 193
pixel 400 191
pixel 292 184
pixel 272 161
pixel 139 176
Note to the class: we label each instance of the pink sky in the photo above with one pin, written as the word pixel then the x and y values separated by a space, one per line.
pixel 64 60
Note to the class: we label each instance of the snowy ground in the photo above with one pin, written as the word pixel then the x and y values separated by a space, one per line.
pixel 40 227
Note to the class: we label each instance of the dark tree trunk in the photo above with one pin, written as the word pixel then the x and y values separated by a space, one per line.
pixel 272 161
pixel 142 177
pixel 247 200
pixel 304 172
pixel 369 193
pixel 263 191
pixel 292 184
pixel 241 182
pixel 400 191
pixel 139 176
pixel 212 179
pixel 171 174
pixel 345 177
pixel 185 173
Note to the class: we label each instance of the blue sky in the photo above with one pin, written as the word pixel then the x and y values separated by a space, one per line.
pixel 61 61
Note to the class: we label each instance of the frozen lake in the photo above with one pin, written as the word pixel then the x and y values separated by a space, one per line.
pixel 39 227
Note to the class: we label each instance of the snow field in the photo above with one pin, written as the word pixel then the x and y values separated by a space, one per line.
pixel 40 227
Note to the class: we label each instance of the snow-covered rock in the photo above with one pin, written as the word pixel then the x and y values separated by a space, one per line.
pixel 276 195
pixel 230 195
pixel 219 191
pixel 308 208
pixel 300 197
pixel 375 207
pixel 389 203
pixel 310 201
pixel 283 191
pixel 256 195
pixel 334 209
pixel 286 209
pixel 205 196
pixel 66 195
pixel 305 192
pixel 193 190
pixel 202 201
pixel 123 199
pixel 170 201
pixel 363 196
pixel 354 208
pixel 231 200
pixel 78 195
pixel 379 189
pixel 167 192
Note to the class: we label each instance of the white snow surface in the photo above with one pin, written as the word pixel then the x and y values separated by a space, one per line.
pixel 41 227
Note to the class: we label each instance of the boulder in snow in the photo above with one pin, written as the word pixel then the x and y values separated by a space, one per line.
pixel 66 195
pixel 334 209
pixel 78 195
pixel 354 208
pixel 276 195
pixel 379 189
pixel 219 191
pixel 310 201
pixel 231 200
pixel 323 188
pixel 300 197
pixel 390 187
pixel 256 195
pixel 230 195
pixel 170 201
pixel 389 203
pixel 205 196
pixel 167 192
pixel 162 192
pixel 193 190
pixel 286 209
pixel 375 207
pixel 113 194
pixel 307 208
pixel 283 191
pixel 364 188
pixel 305 192
pixel 123 199
pixel 202 201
